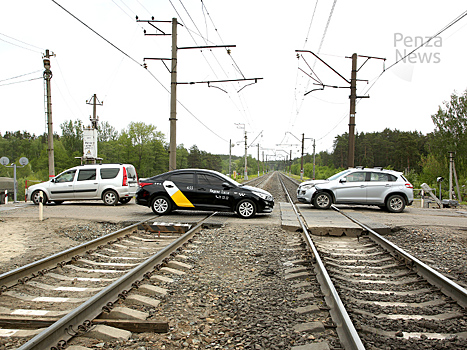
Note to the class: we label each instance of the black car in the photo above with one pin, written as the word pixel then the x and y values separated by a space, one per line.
pixel 199 189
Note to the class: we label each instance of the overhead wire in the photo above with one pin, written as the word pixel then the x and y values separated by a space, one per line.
pixel 449 25
pixel 211 51
pixel 67 88
pixel 244 105
pixel 446 27
pixel 299 102
pixel 22 42
pixel 135 61
pixel 375 80
pixel 126 13
pixel 19 76
pixel 22 81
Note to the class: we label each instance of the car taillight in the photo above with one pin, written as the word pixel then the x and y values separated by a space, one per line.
pixel 408 185
pixel 142 184
pixel 125 178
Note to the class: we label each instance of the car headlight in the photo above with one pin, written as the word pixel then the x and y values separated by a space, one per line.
pixel 261 195
pixel 307 187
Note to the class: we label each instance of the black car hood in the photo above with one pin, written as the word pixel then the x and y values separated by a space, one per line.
pixel 251 188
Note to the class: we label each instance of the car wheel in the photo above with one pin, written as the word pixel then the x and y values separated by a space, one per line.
pixel 395 204
pixel 58 202
pixel 110 197
pixel 36 197
pixel 125 200
pixel 246 209
pixel 322 200
pixel 161 205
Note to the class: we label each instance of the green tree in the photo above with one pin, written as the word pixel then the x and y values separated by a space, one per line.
pixel 451 128
pixel 72 137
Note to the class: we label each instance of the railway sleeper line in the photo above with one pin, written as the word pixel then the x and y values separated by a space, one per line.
pixel 84 294
pixel 382 317
pixel 394 300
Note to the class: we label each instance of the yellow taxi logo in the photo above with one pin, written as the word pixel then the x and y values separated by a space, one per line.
pixel 177 196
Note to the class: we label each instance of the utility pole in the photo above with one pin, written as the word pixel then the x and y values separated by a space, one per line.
pixel 314 155
pixel 450 175
pixel 353 98
pixel 173 101
pixel 246 156
pixel 263 162
pixel 230 157
pixel 94 102
pixel 452 169
pixel 50 148
pixel 301 164
pixel 258 159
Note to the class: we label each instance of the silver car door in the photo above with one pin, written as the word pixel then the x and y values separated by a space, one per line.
pixel 352 189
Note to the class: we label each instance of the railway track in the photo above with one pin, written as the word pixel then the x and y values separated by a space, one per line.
pixel 246 285
pixel 62 296
pixel 393 299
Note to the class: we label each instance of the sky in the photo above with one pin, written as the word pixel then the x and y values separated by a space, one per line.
pixel 100 49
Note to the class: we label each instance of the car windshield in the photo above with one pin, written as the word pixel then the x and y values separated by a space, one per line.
pixel 333 177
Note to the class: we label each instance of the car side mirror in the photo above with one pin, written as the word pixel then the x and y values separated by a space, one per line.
pixel 226 185
pixel 53 180
pixel 343 180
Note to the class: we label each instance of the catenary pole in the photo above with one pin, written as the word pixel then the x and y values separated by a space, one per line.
pixel 353 98
pixel 301 162
pixel 173 101
pixel 246 157
pixel 50 148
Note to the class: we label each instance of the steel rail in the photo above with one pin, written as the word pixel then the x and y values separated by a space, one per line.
pixel 345 328
pixel 92 308
pixel 447 286
pixel 23 273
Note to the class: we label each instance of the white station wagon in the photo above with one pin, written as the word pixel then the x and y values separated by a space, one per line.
pixel 112 183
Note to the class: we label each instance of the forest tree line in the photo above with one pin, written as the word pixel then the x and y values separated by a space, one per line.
pixel 421 157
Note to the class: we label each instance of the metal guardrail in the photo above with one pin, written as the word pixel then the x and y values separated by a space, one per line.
pixel 345 329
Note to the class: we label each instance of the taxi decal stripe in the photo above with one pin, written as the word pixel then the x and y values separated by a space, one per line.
pixel 177 196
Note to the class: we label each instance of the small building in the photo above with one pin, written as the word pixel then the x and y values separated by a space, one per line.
pixel 6 183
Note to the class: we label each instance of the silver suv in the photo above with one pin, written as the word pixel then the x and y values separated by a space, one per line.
pixel 372 186
pixel 112 183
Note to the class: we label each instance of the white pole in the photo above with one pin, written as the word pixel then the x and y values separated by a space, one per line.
pixel 41 208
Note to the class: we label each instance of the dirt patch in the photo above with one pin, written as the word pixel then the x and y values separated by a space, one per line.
pixel 26 240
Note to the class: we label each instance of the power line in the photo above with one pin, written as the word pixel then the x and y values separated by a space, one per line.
pixel 327 26
pixel 311 22
pixel 243 105
pixel 449 25
pixel 9 42
pixel 431 38
pixel 22 42
pixel 100 36
pixel 134 60
pixel 22 81
pixel 299 102
pixel 19 76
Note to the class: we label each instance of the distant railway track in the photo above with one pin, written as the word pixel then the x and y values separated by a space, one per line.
pixel 391 298
pixel 245 285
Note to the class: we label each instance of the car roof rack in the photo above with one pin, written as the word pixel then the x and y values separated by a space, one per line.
pixel 378 167
pixel 359 167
